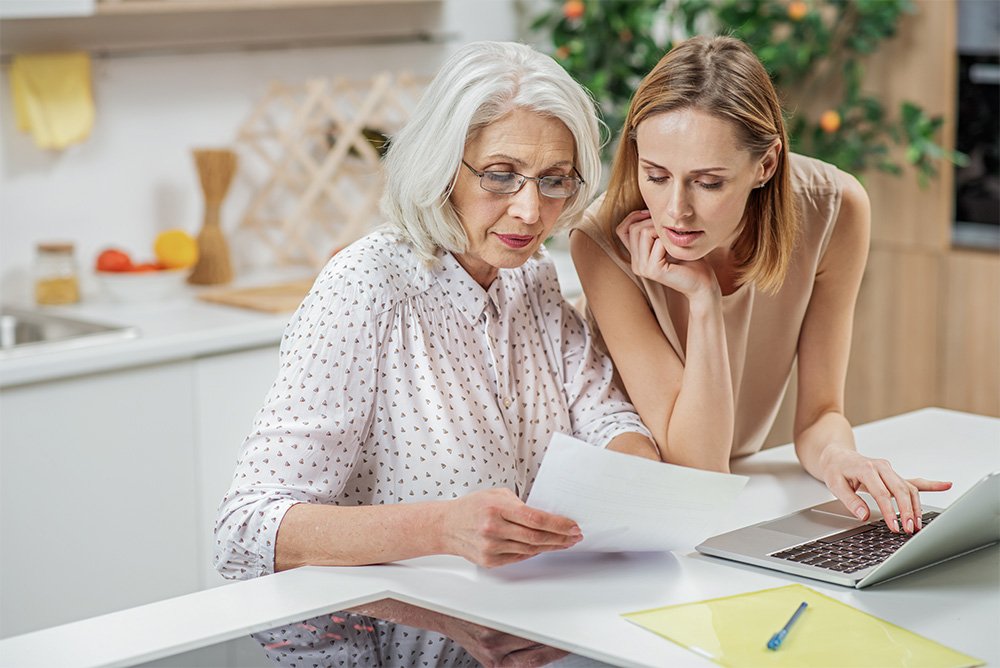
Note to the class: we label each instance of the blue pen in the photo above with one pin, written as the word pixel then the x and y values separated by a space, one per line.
pixel 775 641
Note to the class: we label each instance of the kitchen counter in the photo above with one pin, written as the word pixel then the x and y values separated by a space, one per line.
pixel 173 329
pixel 178 328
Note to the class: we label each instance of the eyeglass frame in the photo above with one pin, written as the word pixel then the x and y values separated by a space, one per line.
pixel 524 179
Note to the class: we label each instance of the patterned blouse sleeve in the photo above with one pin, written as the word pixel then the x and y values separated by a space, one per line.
pixel 310 431
pixel 598 409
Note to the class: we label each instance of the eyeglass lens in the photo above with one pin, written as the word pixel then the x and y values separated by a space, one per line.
pixel 510 182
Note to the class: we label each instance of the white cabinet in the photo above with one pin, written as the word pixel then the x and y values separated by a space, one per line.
pixel 97 495
pixel 229 389
pixel 109 483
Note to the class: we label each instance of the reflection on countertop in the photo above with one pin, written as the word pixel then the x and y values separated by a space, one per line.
pixel 386 633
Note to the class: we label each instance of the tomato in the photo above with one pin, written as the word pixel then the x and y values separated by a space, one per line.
pixel 114 260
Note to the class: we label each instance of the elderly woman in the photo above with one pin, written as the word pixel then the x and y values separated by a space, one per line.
pixel 423 375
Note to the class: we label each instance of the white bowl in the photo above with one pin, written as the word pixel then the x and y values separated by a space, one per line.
pixel 143 286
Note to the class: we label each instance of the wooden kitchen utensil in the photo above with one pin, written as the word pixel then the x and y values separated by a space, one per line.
pixel 215 172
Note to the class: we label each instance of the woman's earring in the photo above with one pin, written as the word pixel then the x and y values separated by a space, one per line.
pixel 761 184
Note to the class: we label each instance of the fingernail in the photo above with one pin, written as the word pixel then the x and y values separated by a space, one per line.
pixel 920 522
pixel 909 526
pixel 860 512
pixel 895 525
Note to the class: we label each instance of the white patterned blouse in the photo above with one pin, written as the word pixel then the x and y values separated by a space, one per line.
pixel 400 382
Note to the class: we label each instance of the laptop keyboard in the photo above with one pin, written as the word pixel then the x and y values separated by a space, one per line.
pixel 852 550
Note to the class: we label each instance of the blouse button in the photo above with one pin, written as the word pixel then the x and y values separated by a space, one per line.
pixel 506 403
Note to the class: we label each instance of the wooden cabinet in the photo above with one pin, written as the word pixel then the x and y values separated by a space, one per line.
pixel 895 358
pixel 927 323
pixel 970 332
pixel 109 484
pixel 926 331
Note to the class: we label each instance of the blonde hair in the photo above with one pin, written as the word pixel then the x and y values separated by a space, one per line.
pixel 480 83
pixel 720 76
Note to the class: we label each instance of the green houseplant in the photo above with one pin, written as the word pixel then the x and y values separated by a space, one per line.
pixel 813 50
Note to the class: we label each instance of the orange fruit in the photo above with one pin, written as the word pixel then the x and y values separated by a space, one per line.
pixel 175 249
pixel 797 10
pixel 573 9
pixel 829 121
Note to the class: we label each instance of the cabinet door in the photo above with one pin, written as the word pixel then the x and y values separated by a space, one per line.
pixel 894 353
pixel 971 324
pixel 97 495
pixel 229 389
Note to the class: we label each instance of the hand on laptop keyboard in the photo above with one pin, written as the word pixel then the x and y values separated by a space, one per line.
pixel 847 472
pixel 852 550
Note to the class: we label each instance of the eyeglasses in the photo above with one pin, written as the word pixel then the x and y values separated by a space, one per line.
pixel 508 183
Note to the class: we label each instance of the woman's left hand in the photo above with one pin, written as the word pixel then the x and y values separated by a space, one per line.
pixel 847 471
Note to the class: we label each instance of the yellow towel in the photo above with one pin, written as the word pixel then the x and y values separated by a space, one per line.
pixel 52 97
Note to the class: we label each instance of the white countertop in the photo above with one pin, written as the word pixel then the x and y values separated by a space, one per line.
pixel 177 328
pixel 575 602
pixel 172 329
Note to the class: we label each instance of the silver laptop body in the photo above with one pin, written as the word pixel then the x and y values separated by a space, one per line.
pixel 970 523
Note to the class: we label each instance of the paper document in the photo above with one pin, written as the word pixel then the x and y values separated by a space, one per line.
pixel 625 503
pixel 733 631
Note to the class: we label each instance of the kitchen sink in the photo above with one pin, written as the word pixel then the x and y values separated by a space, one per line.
pixel 24 331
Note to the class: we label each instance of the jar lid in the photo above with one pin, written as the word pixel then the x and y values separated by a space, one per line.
pixel 55 247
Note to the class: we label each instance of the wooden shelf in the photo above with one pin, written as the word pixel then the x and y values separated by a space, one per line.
pixel 141 27
pixel 131 7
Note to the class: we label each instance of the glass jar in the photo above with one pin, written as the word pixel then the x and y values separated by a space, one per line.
pixel 56 280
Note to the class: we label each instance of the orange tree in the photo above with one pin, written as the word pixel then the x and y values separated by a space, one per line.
pixel 809 48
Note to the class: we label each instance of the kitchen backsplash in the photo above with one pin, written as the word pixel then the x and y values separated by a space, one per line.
pixel 134 176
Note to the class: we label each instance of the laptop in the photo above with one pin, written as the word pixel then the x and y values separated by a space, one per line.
pixel 825 542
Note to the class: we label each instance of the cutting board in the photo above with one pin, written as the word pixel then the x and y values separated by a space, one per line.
pixel 278 298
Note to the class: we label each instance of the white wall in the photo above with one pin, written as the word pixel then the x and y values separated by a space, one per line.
pixel 134 176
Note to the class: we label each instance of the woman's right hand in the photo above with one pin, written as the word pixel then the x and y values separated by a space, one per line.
pixel 492 527
pixel 651 260
pixel 495 649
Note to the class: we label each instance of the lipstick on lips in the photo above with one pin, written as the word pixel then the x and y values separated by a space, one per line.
pixel 516 240
pixel 682 238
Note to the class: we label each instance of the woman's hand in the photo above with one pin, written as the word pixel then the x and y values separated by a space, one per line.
pixel 846 471
pixel 650 259
pixel 489 647
pixel 493 527
pixel 494 649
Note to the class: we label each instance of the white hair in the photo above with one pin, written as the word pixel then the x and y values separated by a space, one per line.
pixel 477 85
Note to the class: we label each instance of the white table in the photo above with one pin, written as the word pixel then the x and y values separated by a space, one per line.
pixel 575 601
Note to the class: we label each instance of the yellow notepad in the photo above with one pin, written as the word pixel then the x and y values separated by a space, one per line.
pixel 734 631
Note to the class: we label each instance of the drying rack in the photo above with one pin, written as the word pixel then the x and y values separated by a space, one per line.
pixel 311 152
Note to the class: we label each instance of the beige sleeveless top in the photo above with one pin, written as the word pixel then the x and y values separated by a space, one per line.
pixel 762 330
